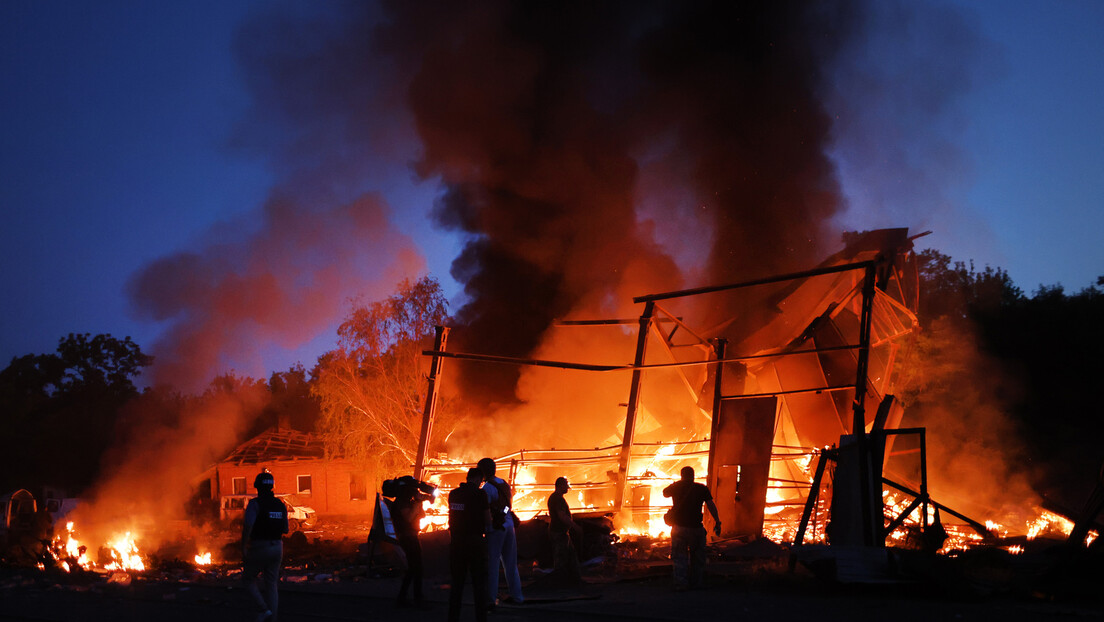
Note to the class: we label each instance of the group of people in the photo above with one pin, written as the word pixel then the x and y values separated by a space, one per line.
pixel 482 527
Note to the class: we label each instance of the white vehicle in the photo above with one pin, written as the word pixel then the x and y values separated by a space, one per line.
pixel 232 509
pixel 299 515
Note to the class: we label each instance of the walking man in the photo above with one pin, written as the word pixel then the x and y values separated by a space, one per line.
pixel 265 523
pixel 469 514
pixel 561 529
pixel 501 536
pixel 687 530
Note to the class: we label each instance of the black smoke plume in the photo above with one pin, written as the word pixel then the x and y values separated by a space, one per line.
pixel 541 120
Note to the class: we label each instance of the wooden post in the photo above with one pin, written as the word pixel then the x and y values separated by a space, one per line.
pixel 439 343
pixel 634 404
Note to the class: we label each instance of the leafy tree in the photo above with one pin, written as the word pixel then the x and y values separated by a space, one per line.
pixel 1052 343
pixel 957 290
pixel 292 402
pixel 372 388
pixel 1013 376
pixel 63 407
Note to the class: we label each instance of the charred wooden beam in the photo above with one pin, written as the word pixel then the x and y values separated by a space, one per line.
pixel 765 281
pixel 625 322
pixel 1093 507
pixel 718 381
pixel 837 387
pixel 507 360
pixel 633 405
pixel 814 493
pixel 981 529
pixel 896 522
pixel 439 343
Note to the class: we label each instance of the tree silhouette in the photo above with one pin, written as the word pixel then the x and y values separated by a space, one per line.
pixel 63 408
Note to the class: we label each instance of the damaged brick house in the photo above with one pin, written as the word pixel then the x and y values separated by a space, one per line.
pixel 331 487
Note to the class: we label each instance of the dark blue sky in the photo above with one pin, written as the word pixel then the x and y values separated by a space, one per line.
pixel 118 148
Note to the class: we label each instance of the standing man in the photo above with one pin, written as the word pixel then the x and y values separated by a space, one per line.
pixel 565 561
pixel 469 514
pixel 501 537
pixel 266 522
pixel 687 530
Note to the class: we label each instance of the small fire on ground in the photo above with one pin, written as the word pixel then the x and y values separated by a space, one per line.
pixel 120 553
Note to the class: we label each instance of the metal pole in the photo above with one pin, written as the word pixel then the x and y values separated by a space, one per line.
pixel 439 342
pixel 858 425
pixel 634 404
pixel 719 348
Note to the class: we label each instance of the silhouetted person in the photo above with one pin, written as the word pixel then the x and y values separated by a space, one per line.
pixel 501 537
pixel 561 529
pixel 407 517
pixel 469 514
pixel 687 530
pixel 263 529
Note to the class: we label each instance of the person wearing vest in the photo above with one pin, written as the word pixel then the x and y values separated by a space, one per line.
pixel 469 514
pixel 687 530
pixel 265 523
pixel 501 536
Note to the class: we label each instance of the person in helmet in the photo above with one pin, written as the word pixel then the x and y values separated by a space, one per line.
pixel 469 515
pixel 266 522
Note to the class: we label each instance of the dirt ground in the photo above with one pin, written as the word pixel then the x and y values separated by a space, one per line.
pixel 327 577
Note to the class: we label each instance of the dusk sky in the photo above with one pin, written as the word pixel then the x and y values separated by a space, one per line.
pixel 132 133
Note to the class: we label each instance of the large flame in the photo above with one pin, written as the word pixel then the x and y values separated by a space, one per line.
pixel 119 553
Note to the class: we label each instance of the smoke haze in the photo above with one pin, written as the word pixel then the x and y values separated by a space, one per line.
pixel 582 152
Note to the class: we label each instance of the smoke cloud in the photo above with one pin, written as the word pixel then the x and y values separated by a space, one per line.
pixel 283 284
pixel 541 120
pixel 897 98
pixel 584 153
pixel 329 126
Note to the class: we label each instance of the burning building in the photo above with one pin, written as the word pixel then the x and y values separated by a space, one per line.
pixel 750 401
pixel 584 156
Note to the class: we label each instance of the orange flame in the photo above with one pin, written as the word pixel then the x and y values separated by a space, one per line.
pixel 122 551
